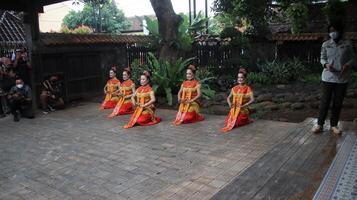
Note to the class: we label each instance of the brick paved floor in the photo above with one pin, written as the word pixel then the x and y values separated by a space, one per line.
pixel 79 154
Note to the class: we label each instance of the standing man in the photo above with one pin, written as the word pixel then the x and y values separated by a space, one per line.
pixel 337 58
pixel 22 66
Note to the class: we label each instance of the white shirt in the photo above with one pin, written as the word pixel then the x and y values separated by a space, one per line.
pixel 337 54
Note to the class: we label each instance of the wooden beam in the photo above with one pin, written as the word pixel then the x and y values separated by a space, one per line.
pixel 22 5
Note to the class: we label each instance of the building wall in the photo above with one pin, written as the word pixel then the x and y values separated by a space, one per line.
pixel 51 19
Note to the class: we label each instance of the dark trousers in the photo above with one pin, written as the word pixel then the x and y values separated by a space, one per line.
pixel 335 92
pixel 24 107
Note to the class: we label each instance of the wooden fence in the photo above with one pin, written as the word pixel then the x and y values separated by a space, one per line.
pixel 212 55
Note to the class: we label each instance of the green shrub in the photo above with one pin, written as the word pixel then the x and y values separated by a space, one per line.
pixel 283 72
pixel 205 76
pixel 257 77
pixel 136 70
pixel 298 14
pixel 167 78
pixel 311 78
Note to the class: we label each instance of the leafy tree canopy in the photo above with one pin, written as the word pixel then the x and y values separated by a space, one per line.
pixel 100 15
pixel 255 14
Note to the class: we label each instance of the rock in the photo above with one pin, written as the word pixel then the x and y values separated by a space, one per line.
pixel 207 104
pixel 280 95
pixel 281 86
pixel 264 104
pixel 318 96
pixel 219 97
pixel 297 106
pixel 223 88
pixel 315 104
pixel 285 104
pixel 264 97
pixel 310 98
pixel 283 119
pixel 277 100
pixel 291 97
pixel 271 107
pixel 301 99
pixel 347 104
pixel 161 100
pixel 174 99
pixel 216 109
pixel 351 94
pixel 257 93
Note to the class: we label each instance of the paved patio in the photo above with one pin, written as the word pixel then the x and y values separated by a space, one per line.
pixel 79 154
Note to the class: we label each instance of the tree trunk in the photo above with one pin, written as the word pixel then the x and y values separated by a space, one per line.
pixel 169 23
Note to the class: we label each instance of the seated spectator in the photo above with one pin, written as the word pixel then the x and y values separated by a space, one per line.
pixel 20 100
pixel 7 80
pixel 51 96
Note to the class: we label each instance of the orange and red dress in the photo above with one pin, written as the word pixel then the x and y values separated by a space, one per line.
pixel 188 112
pixel 143 116
pixel 124 105
pixel 238 116
pixel 110 99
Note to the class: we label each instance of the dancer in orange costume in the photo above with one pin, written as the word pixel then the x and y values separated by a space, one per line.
pixel 126 90
pixel 188 95
pixel 111 91
pixel 242 97
pixel 144 114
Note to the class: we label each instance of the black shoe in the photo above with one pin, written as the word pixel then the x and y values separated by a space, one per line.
pixel 16 118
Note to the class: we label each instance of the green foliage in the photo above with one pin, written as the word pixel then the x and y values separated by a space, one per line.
pixel 277 72
pixel 79 30
pixel 205 76
pixel 253 12
pixel 65 29
pixel 298 16
pixel 152 26
pixel 283 72
pixel 100 16
pixel 167 78
pixel 335 11
pixel 186 36
pixel 219 22
pixel 311 78
pixel 72 20
pixel 236 37
pixel 258 78
pixel 198 24
pixel 136 70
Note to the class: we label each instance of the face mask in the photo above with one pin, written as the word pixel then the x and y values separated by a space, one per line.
pixel 19 86
pixel 334 35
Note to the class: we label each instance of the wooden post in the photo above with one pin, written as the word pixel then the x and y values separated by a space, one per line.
pixel 206 15
pixel 194 9
pixel 190 11
pixel 32 35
